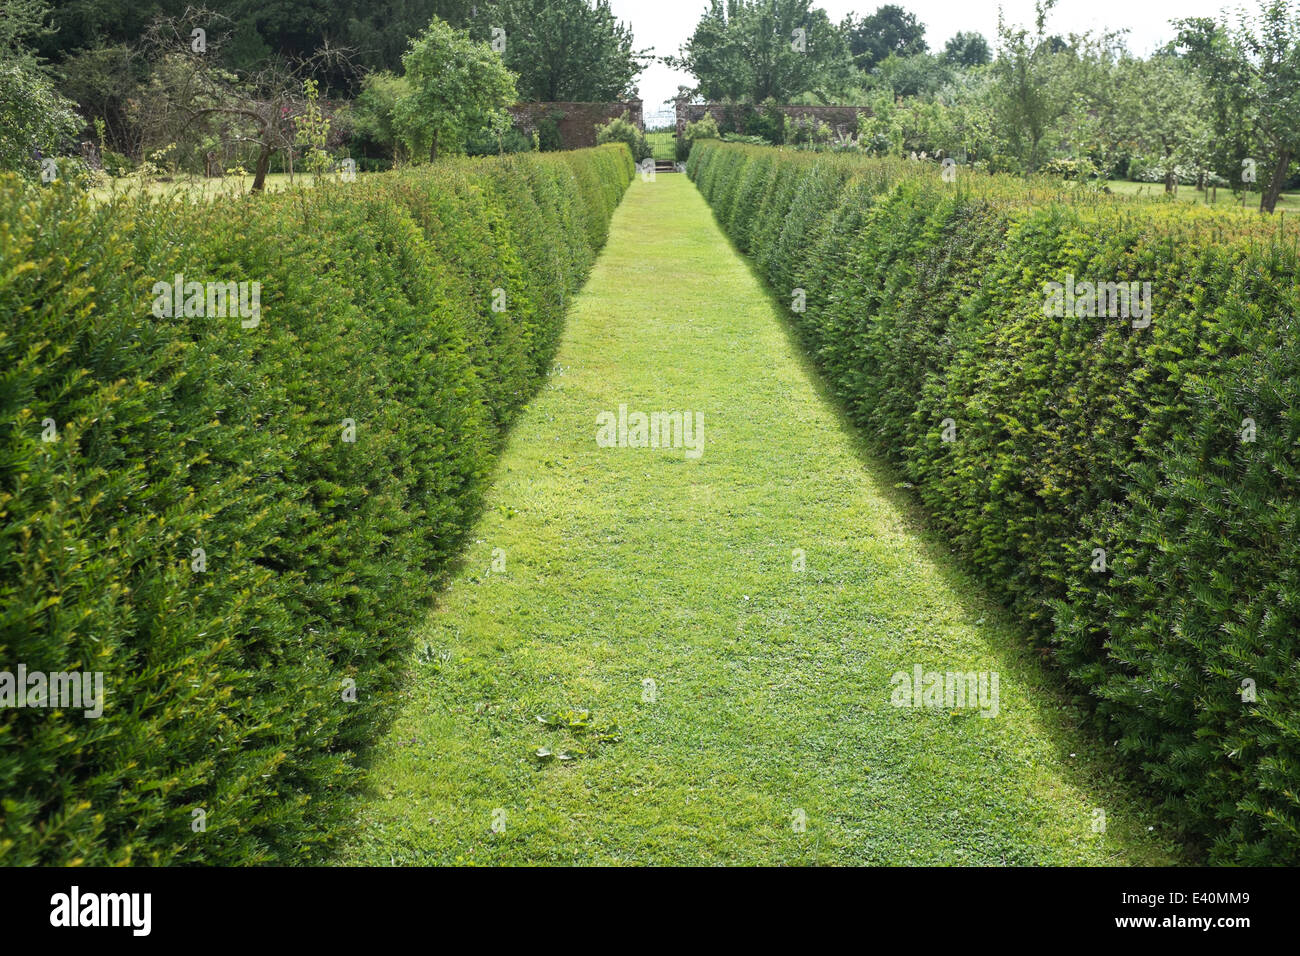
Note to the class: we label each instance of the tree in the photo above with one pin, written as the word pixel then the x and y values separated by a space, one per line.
pixel 891 30
pixel 22 24
pixel 967 49
pixel 621 129
pixel 1253 71
pixel 35 121
pixel 377 31
pixel 920 74
pixel 565 49
pixel 197 110
pixel 1160 109
pixel 380 30
pixel 1039 80
pixel 374 113
pixel 457 86
pixel 749 50
pixel 103 81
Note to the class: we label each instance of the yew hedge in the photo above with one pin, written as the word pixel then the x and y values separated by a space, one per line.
pixel 181 510
pixel 1174 447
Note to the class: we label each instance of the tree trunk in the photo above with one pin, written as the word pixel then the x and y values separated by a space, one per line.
pixel 1268 199
pixel 1171 174
pixel 263 164
pixel 433 148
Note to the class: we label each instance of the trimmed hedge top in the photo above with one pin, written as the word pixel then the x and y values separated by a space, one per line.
pixel 235 517
pixel 1098 401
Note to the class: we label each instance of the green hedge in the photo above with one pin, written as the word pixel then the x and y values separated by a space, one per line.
pixel 226 686
pixel 925 301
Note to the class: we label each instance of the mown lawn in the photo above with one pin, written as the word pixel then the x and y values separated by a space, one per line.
pixel 663 144
pixel 202 186
pixel 1224 197
pixel 595 571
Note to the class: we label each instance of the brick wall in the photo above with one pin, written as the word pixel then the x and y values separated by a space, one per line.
pixel 576 121
pixel 839 118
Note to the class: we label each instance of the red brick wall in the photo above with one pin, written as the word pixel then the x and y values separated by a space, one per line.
pixel 576 121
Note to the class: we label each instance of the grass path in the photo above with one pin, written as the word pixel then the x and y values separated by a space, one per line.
pixel 771 700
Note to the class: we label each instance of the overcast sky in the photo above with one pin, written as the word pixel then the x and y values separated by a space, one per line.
pixel 665 24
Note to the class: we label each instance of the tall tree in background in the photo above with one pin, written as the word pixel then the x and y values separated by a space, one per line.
pixel 967 49
pixel 456 86
pixel 195 110
pixel 35 120
pixel 377 30
pixel 1161 109
pixel 748 51
pixel 380 30
pixel 890 31
pixel 564 49
pixel 921 74
pixel 23 24
pixel 1031 94
pixel 1253 71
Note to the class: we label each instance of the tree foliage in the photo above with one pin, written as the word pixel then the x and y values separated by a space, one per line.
pixel 564 50
pixel 890 31
pixel 747 51
pixel 1253 71
pixel 456 86
pixel 967 49
pixel 36 121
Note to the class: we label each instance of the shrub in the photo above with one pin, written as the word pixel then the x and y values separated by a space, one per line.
pixel 548 135
pixel 1173 447
pixel 806 131
pixel 36 123
pixel 116 164
pixel 621 129
pixel 704 128
pixel 1076 169
pixel 198 526
pixel 490 143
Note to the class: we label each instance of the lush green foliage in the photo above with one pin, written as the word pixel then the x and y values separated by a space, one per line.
pixel 967 49
pixel 129 442
pixel 1253 71
pixel 564 50
pixel 378 31
pixel 455 87
pixel 621 129
pixel 374 115
pixel 35 122
pixel 1175 447
pixel 704 128
pixel 749 50
pixel 890 31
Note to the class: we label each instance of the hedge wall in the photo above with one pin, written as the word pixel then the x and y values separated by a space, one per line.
pixel 925 301
pixel 227 672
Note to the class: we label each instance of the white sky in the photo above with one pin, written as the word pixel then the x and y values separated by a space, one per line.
pixel 665 24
